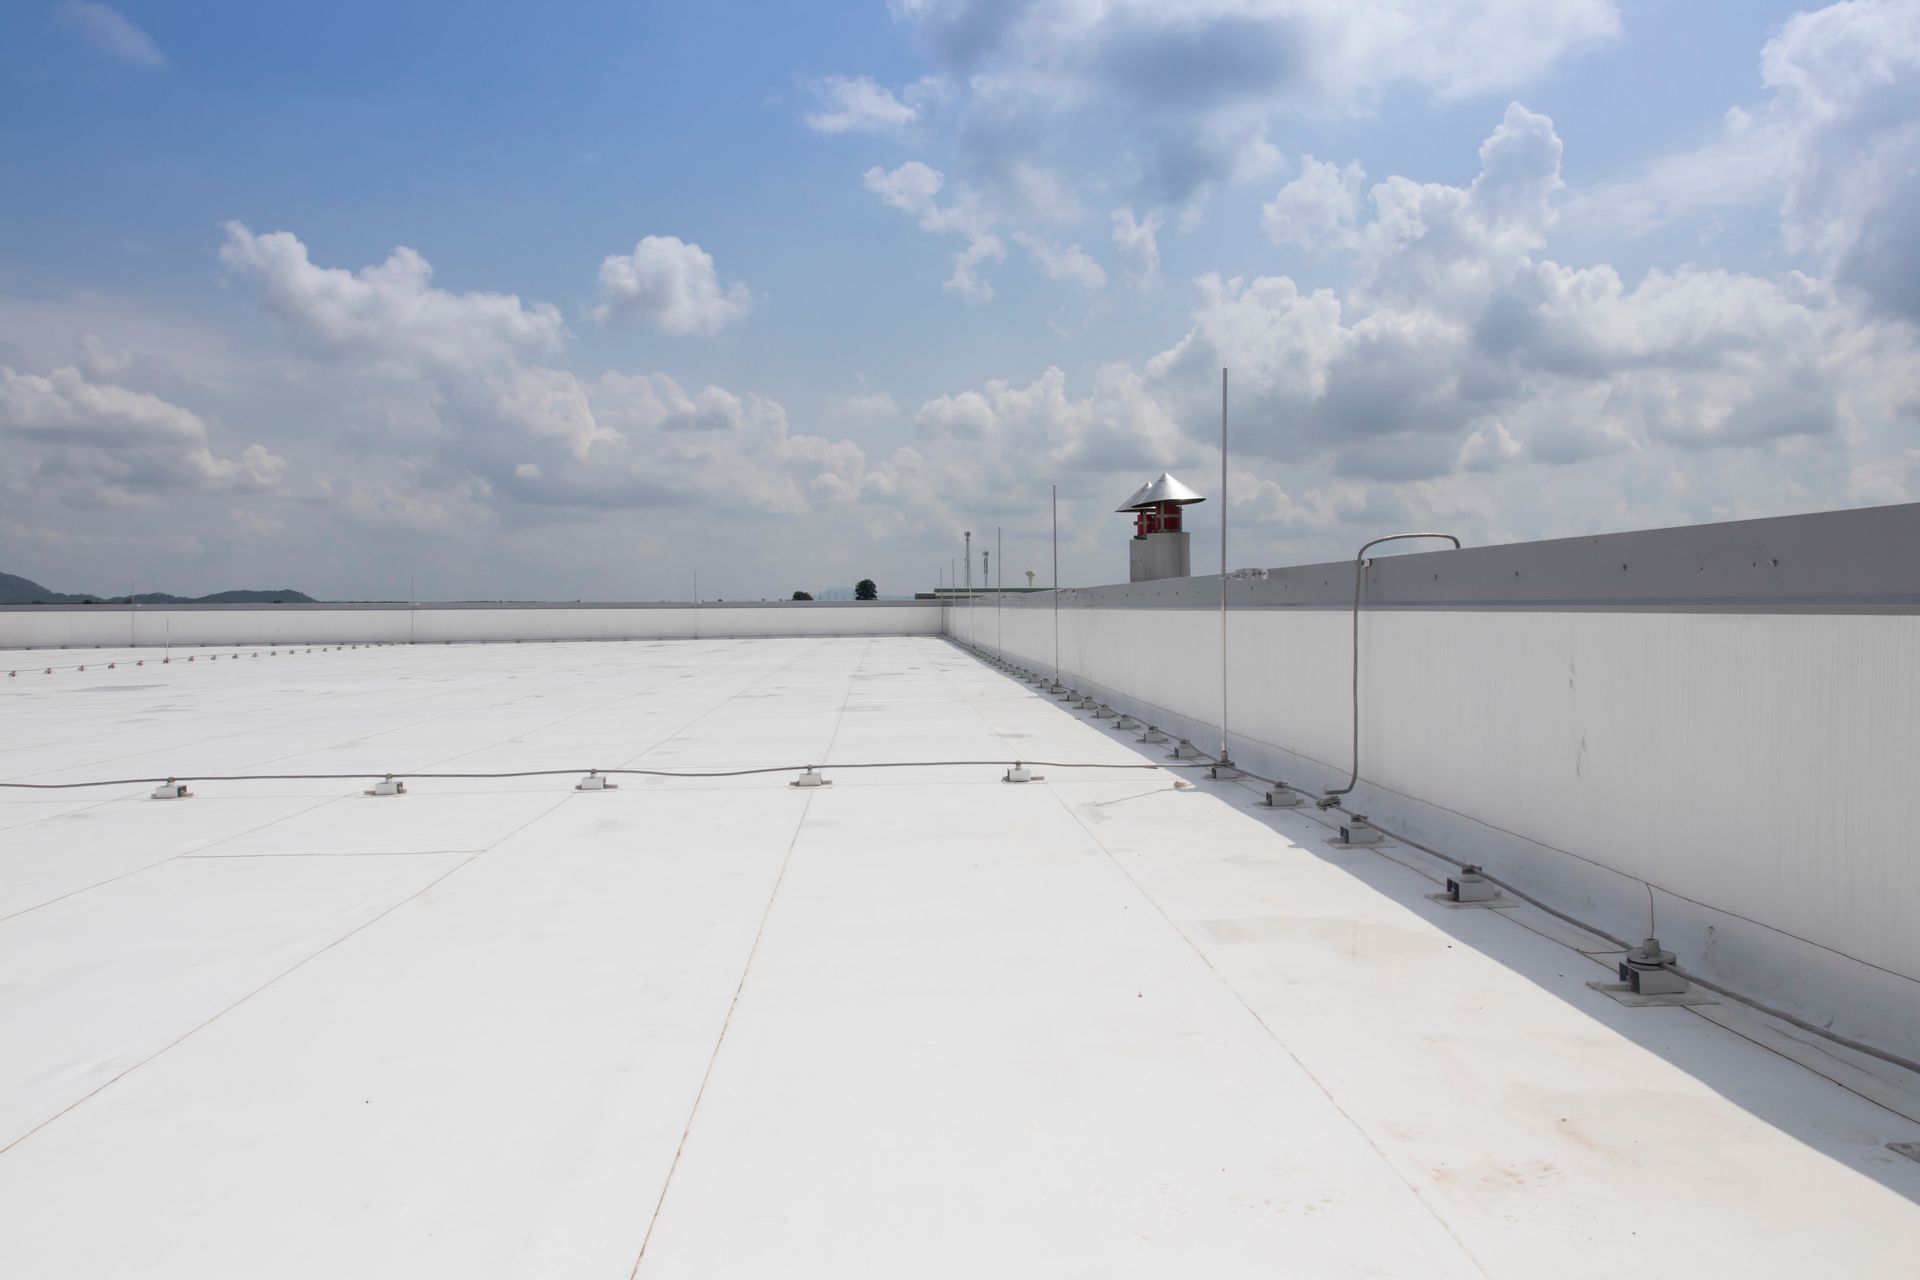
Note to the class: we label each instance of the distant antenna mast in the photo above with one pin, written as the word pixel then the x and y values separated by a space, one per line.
pixel 1226 761
pixel 1056 587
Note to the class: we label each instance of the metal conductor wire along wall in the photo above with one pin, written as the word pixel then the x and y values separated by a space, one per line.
pixel 1359 579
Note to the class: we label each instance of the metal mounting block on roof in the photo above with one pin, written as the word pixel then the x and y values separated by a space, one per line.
pixel 1646 971
pixel 1357 832
pixel 1471 886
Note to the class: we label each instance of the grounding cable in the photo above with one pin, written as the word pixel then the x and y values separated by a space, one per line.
pixel 547 773
pixel 1846 1042
pixel 1334 798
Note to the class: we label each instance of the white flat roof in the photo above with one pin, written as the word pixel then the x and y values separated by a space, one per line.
pixel 919 1022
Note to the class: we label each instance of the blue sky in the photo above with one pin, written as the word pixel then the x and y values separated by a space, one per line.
pixel 795 293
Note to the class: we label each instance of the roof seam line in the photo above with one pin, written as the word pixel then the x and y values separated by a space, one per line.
pixel 1272 1035
pixel 740 987
pixel 294 967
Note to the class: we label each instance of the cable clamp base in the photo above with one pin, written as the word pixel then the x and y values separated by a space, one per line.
pixel 1471 886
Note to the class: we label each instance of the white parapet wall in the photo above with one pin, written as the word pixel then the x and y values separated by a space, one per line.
pixel 1716 726
pixel 159 626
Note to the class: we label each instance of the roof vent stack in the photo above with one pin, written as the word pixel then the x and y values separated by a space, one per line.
pixel 1159 548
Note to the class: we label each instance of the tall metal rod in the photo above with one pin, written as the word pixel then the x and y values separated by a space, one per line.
pixel 999 596
pixel 1359 576
pixel 1225 759
pixel 1056 584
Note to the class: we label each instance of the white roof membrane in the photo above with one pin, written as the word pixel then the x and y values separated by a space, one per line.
pixel 917 1022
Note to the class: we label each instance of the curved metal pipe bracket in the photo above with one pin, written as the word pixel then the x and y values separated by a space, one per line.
pixel 1360 563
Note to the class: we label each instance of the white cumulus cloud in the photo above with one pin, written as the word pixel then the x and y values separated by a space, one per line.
pixel 1136 240
pixel 390 312
pixel 914 188
pixel 1174 97
pixel 1070 262
pixel 671 285
pixel 92 442
pixel 1835 147
pixel 860 104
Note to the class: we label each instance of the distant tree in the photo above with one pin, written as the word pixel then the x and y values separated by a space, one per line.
pixel 865 590
pixel 803 595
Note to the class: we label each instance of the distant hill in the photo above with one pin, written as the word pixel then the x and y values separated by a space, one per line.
pixel 18 590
